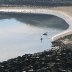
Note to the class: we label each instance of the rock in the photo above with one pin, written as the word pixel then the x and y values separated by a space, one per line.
pixel 53 60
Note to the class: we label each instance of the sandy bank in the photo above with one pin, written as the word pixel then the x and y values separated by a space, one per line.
pixel 67 11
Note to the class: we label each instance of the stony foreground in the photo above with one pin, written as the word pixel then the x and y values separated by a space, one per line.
pixel 57 59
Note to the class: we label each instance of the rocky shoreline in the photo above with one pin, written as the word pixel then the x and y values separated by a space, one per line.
pixel 57 59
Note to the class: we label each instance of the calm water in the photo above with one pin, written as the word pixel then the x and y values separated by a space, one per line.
pixel 21 33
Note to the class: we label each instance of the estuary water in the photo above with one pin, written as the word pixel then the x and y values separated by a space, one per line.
pixel 21 33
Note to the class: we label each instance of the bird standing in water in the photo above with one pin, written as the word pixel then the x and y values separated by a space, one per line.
pixel 41 39
pixel 45 34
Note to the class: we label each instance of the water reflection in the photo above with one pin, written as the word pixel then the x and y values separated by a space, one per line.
pixel 40 20
pixel 21 33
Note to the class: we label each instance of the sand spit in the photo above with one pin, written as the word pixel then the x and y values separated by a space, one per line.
pixel 67 12
pixel 62 12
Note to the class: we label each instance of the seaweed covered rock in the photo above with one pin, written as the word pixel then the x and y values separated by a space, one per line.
pixel 54 60
pixel 57 59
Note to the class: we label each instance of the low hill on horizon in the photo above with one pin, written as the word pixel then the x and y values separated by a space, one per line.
pixel 36 2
